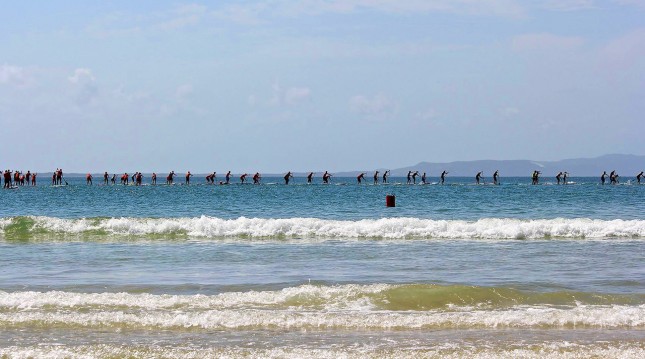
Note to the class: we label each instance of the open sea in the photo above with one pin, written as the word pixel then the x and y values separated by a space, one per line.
pixel 323 271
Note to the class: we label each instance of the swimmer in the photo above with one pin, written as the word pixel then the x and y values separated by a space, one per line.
pixel 639 176
pixel 385 176
pixel 376 177
pixel 310 177
pixel 188 175
pixel 478 177
pixel 243 178
pixel 88 179
pixel 228 177
pixel 602 177
pixel 287 177
pixel 106 178
pixel 256 178
pixel 443 176
pixel 154 178
pixel 559 177
pixel 496 177
pixel 360 178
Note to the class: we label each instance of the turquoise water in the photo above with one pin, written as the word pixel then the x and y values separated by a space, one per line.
pixel 343 199
pixel 323 270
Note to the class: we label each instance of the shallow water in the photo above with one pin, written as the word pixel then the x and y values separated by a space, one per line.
pixel 323 270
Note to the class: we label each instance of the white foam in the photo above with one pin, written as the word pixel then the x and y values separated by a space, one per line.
pixel 610 317
pixel 328 297
pixel 486 350
pixel 343 307
pixel 385 228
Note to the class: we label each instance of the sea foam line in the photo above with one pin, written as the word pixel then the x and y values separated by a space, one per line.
pixel 302 307
pixel 487 350
pixel 609 317
pixel 384 228
pixel 378 296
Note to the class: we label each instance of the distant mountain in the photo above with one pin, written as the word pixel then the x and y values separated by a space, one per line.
pixel 625 165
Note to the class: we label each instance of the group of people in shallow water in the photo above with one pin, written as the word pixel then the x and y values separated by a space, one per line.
pixel 18 178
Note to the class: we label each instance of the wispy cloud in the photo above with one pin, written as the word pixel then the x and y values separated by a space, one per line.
pixel 624 55
pixel 85 83
pixel 183 16
pixel 15 75
pixel 637 3
pixel 258 12
pixel 281 97
pixel 377 107
pixel 545 41
pixel 129 24
pixel 184 91
pixel 568 5
pixel 463 7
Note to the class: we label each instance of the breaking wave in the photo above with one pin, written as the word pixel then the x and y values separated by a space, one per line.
pixel 370 307
pixel 26 228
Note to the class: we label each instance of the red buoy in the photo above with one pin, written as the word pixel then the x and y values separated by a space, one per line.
pixel 390 200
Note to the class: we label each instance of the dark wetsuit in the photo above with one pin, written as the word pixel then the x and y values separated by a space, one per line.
pixel 360 178
pixel 326 177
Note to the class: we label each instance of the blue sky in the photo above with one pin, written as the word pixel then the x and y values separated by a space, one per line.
pixel 273 86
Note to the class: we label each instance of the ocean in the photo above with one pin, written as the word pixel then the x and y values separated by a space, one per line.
pixel 323 271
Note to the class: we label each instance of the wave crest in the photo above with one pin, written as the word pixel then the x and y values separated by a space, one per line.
pixel 294 228
pixel 377 306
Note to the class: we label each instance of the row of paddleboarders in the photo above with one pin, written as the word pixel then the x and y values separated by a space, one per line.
pixel 412 176
pixel 211 178
pixel 18 178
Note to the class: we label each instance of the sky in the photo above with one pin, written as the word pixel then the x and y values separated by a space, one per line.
pixel 276 86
